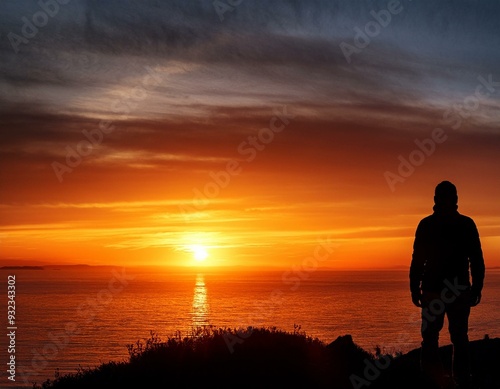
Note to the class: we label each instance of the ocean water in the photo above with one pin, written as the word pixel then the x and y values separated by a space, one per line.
pixel 71 318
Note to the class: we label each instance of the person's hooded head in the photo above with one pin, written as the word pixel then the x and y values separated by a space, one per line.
pixel 445 197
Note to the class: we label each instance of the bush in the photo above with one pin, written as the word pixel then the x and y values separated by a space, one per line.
pixel 260 358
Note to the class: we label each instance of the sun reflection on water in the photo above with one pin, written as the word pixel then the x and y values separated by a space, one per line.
pixel 200 308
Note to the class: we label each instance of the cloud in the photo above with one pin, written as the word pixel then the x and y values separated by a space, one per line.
pixel 291 46
pixel 220 82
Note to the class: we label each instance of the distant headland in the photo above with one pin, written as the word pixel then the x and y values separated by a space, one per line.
pixel 45 267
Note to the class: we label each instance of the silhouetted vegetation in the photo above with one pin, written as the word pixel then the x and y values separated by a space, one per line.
pixel 261 358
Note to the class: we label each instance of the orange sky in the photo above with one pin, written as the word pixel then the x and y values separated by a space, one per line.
pixel 295 192
pixel 289 141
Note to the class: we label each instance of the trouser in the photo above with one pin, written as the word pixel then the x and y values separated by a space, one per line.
pixel 457 310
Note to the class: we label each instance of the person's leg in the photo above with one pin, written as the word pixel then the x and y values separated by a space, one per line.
pixel 458 324
pixel 432 322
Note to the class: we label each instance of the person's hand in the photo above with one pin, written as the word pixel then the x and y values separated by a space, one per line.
pixel 475 297
pixel 416 298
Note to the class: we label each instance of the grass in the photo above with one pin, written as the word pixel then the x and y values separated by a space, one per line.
pixel 264 358
pixel 227 358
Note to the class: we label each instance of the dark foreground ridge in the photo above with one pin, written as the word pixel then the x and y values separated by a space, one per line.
pixel 268 358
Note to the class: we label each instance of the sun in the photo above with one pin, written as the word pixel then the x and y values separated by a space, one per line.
pixel 199 252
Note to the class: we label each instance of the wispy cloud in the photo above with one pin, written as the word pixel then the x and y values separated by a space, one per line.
pixel 219 85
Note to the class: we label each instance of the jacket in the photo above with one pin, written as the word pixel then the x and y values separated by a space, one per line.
pixel 446 247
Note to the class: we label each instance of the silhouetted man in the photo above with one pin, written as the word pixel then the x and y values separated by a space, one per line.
pixel 446 246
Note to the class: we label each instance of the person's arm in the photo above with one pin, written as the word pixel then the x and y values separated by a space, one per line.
pixel 477 267
pixel 417 266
